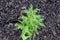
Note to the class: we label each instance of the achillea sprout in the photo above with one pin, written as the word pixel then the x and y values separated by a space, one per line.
pixel 29 23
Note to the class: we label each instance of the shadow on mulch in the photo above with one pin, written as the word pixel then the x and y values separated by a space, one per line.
pixel 10 11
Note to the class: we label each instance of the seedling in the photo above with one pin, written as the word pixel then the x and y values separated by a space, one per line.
pixel 29 23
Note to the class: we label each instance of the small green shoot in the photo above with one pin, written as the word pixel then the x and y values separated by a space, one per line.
pixel 29 23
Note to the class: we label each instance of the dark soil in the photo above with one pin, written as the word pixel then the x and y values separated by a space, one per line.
pixel 10 11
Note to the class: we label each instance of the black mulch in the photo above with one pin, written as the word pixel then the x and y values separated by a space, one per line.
pixel 10 11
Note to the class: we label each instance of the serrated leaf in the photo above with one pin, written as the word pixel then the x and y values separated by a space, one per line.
pixel 29 23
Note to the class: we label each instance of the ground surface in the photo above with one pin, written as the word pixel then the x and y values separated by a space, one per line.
pixel 10 11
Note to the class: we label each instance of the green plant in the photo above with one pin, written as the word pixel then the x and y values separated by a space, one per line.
pixel 29 23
